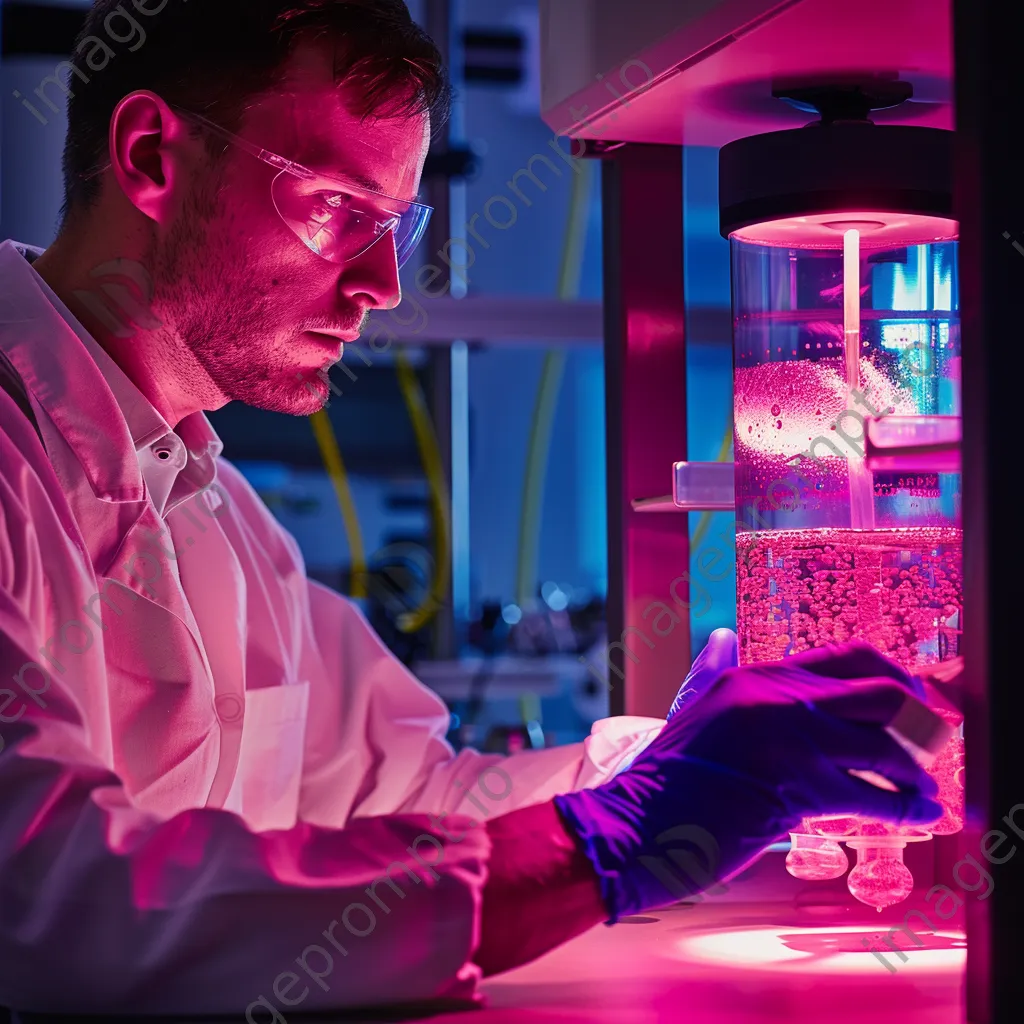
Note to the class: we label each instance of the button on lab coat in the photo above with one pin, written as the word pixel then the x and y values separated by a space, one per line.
pixel 208 761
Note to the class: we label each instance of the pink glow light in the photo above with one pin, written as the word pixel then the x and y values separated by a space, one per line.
pixel 825 230
pixel 822 950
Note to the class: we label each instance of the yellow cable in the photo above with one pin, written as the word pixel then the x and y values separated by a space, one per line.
pixel 331 454
pixel 426 440
pixel 546 402
pixel 545 406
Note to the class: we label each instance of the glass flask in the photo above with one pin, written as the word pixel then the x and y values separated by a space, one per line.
pixel 815 858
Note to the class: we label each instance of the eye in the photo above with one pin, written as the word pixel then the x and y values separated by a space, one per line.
pixel 324 205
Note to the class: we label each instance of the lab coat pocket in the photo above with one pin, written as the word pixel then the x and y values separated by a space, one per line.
pixel 271 756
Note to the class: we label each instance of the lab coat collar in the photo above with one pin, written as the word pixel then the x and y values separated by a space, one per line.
pixel 98 411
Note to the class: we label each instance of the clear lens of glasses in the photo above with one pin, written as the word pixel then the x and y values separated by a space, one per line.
pixel 339 226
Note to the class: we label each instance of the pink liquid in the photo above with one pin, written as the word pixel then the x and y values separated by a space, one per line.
pixel 880 878
pixel 901 590
pixel 815 859
pixel 948 772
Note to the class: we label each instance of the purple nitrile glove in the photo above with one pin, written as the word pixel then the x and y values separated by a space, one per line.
pixel 765 747
pixel 720 653
pixel 856 659
pixel 840 663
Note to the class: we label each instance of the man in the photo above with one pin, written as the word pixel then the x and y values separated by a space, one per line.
pixel 219 791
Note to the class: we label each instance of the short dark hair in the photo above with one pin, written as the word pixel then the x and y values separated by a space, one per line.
pixel 212 56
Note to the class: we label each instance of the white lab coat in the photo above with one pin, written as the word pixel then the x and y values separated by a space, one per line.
pixel 207 761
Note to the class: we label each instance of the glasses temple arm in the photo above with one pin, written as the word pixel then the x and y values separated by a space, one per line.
pixel 265 155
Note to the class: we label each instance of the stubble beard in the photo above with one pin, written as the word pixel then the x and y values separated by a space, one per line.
pixel 218 327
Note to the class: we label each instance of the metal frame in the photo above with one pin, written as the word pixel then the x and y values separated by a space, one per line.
pixel 989 203
pixel 522 319
pixel 438 22
pixel 645 402
pixel 492 318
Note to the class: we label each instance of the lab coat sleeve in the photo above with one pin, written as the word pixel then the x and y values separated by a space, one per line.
pixel 105 909
pixel 401 727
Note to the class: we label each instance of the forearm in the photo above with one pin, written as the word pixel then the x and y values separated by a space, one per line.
pixel 123 901
pixel 541 890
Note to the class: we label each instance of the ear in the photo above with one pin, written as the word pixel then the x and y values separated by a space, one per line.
pixel 151 154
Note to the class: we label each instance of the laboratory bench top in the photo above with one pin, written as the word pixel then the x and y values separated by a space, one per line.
pixel 738 963
pixel 727 963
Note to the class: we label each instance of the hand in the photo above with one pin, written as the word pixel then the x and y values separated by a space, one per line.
pixel 720 653
pixel 836 667
pixel 767 746
pixel 856 659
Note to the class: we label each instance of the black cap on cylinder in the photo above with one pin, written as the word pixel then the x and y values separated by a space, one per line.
pixel 843 165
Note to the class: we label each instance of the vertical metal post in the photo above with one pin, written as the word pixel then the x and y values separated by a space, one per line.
pixel 990 207
pixel 438 25
pixel 645 395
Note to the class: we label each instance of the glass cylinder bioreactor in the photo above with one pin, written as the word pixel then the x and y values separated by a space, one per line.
pixel 839 319
pixel 847 342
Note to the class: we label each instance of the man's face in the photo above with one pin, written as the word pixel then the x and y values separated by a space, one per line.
pixel 263 314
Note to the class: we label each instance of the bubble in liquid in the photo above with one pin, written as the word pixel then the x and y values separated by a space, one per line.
pixel 833 585
pixel 815 859
pixel 948 770
pixel 880 878
pixel 808 392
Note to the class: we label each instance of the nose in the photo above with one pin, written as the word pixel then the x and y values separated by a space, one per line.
pixel 371 279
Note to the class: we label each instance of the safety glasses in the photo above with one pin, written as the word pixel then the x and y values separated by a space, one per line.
pixel 336 219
